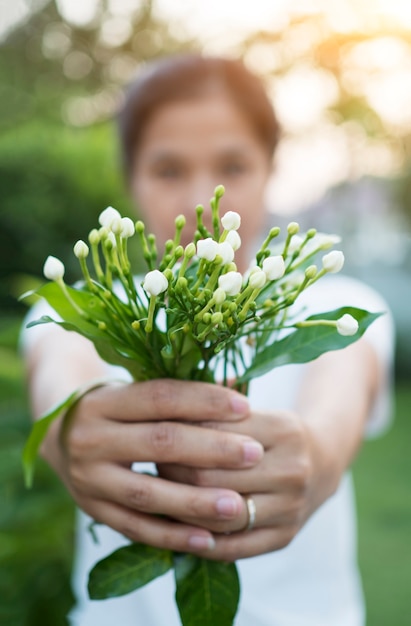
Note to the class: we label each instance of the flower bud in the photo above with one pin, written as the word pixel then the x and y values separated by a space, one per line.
pixel 190 251
pixel 311 272
pixel 81 249
pixel 219 191
pixel 180 222
pixel 216 318
pixel 219 295
pixel 333 261
pixel 293 228
pixel 155 283
pixel 257 279
pixel 116 225
pixel 53 268
pixel 274 267
pixel 207 249
pixel 127 227
pixel 107 216
pixel 231 283
pixel 347 325
pixel 295 243
pixel 231 220
pixel 94 237
pixel 226 252
pixel 233 239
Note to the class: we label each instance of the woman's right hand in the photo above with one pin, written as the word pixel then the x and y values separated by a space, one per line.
pixel 114 426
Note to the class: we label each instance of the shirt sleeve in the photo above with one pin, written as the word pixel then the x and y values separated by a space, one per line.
pixel 333 292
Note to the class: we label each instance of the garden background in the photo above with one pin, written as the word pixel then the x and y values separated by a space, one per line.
pixel 340 75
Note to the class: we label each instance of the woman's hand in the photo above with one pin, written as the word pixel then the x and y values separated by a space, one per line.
pixel 290 482
pixel 306 453
pixel 114 426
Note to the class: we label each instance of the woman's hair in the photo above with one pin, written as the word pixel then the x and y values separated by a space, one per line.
pixel 191 75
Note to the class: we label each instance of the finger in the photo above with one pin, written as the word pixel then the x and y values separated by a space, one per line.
pixel 177 443
pixel 152 530
pixel 271 511
pixel 269 428
pixel 149 494
pixel 250 543
pixel 169 399
pixel 268 475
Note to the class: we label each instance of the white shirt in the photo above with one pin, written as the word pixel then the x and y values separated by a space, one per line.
pixel 314 581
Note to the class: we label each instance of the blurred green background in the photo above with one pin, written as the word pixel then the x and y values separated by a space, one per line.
pixel 60 84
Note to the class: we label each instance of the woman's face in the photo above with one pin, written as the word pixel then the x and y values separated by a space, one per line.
pixel 187 148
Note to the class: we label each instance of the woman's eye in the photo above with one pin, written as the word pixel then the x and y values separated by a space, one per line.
pixel 169 172
pixel 233 169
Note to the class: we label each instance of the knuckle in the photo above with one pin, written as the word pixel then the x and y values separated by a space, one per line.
pixel 164 397
pixel 286 537
pixel 163 438
pixel 200 478
pixel 228 450
pixel 80 440
pixel 139 496
pixel 302 475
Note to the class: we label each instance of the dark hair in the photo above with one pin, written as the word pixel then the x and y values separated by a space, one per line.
pixel 186 76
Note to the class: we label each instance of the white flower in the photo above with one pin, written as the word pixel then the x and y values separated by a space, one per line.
pixel 321 241
pixel 274 267
pixel 116 225
pixel 207 249
pixel 225 250
pixel 127 227
pixel 231 283
pixel 347 325
pixel 295 243
pixel 53 268
pixel 233 239
pixel 107 216
pixel 257 278
pixel 231 220
pixel 333 261
pixel 81 249
pixel 219 295
pixel 155 283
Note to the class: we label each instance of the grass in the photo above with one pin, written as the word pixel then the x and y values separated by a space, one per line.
pixel 382 475
pixel 36 527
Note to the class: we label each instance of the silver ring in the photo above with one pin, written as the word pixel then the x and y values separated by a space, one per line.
pixel 251 508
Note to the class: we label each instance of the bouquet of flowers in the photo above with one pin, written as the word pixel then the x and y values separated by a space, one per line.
pixel 193 314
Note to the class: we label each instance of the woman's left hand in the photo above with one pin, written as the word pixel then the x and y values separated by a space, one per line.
pixel 292 480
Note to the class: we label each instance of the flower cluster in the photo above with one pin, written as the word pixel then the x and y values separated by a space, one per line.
pixel 208 303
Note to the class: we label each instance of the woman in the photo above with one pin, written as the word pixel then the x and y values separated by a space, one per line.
pixel 188 124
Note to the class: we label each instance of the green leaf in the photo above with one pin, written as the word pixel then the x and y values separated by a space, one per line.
pixel 127 569
pixel 41 426
pixel 207 592
pixel 307 343
pixel 37 434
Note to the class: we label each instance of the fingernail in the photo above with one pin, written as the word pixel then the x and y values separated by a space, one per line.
pixel 226 506
pixel 200 542
pixel 253 451
pixel 239 404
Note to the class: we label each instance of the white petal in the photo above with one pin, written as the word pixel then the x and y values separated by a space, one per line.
pixel 333 261
pixel 274 267
pixel 231 283
pixel 53 268
pixel 155 283
pixel 231 220
pixel 107 216
pixel 347 325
